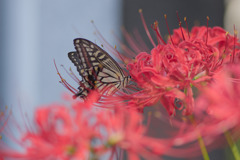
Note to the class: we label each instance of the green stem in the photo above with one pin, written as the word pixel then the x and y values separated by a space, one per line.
pixel 200 141
pixel 232 145
pixel 203 148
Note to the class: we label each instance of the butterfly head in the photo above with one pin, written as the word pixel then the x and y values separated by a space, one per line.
pixel 127 79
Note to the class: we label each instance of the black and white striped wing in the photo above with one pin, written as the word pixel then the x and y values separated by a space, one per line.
pixel 97 68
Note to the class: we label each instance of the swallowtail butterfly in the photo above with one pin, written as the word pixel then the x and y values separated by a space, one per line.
pixel 97 69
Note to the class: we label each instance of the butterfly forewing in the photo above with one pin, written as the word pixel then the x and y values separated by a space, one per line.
pixel 97 68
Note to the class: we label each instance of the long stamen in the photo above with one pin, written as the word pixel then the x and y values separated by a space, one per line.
pixel 135 47
pixel 146 29
pixel 3 119
pixel 115 47
pixel 207 30
pixel 219 63
pixel 180 25
pixel 140 40
pixel 165 16
pixel 71 74
pixel 64 82
pixel 122 59
pixel 185 19
pixel 68 86
pixel 124 47
pixel 102 39
pixel 226 43
pixel 114 50
pixel 159 32
pixel 234 43
pixel 159 37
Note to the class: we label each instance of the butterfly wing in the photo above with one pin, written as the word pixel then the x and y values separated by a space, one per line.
pixel 97 68
pixel 84 84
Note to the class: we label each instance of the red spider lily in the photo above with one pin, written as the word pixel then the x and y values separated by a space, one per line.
pixel 216 113
pixel 217 109
pixel 124 130
pixel 59 133
pixel 77 132
pixel 58 136
pixel 187 59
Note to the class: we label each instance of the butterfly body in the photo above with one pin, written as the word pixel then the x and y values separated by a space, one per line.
pixel 99 71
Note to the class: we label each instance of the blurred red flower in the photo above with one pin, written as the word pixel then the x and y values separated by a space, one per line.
pixel 58 135
pixel 124 130
pixel 216 113
pixel 217 108
pixel 79 132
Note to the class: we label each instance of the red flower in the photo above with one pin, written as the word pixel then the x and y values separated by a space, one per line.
pixel 79 132
pixel 186 60
pixel 218 106
pixel 216 112
pixel 58 135
pixel 124 130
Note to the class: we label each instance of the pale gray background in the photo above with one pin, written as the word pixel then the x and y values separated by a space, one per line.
pixel 34 32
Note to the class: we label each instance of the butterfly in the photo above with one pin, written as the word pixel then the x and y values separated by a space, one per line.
pixel 99 71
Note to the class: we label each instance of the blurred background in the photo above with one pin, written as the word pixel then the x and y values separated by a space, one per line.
pixel 35 32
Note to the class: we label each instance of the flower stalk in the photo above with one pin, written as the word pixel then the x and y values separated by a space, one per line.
pixel 203 148
pixel 200 140
pixel 232 145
